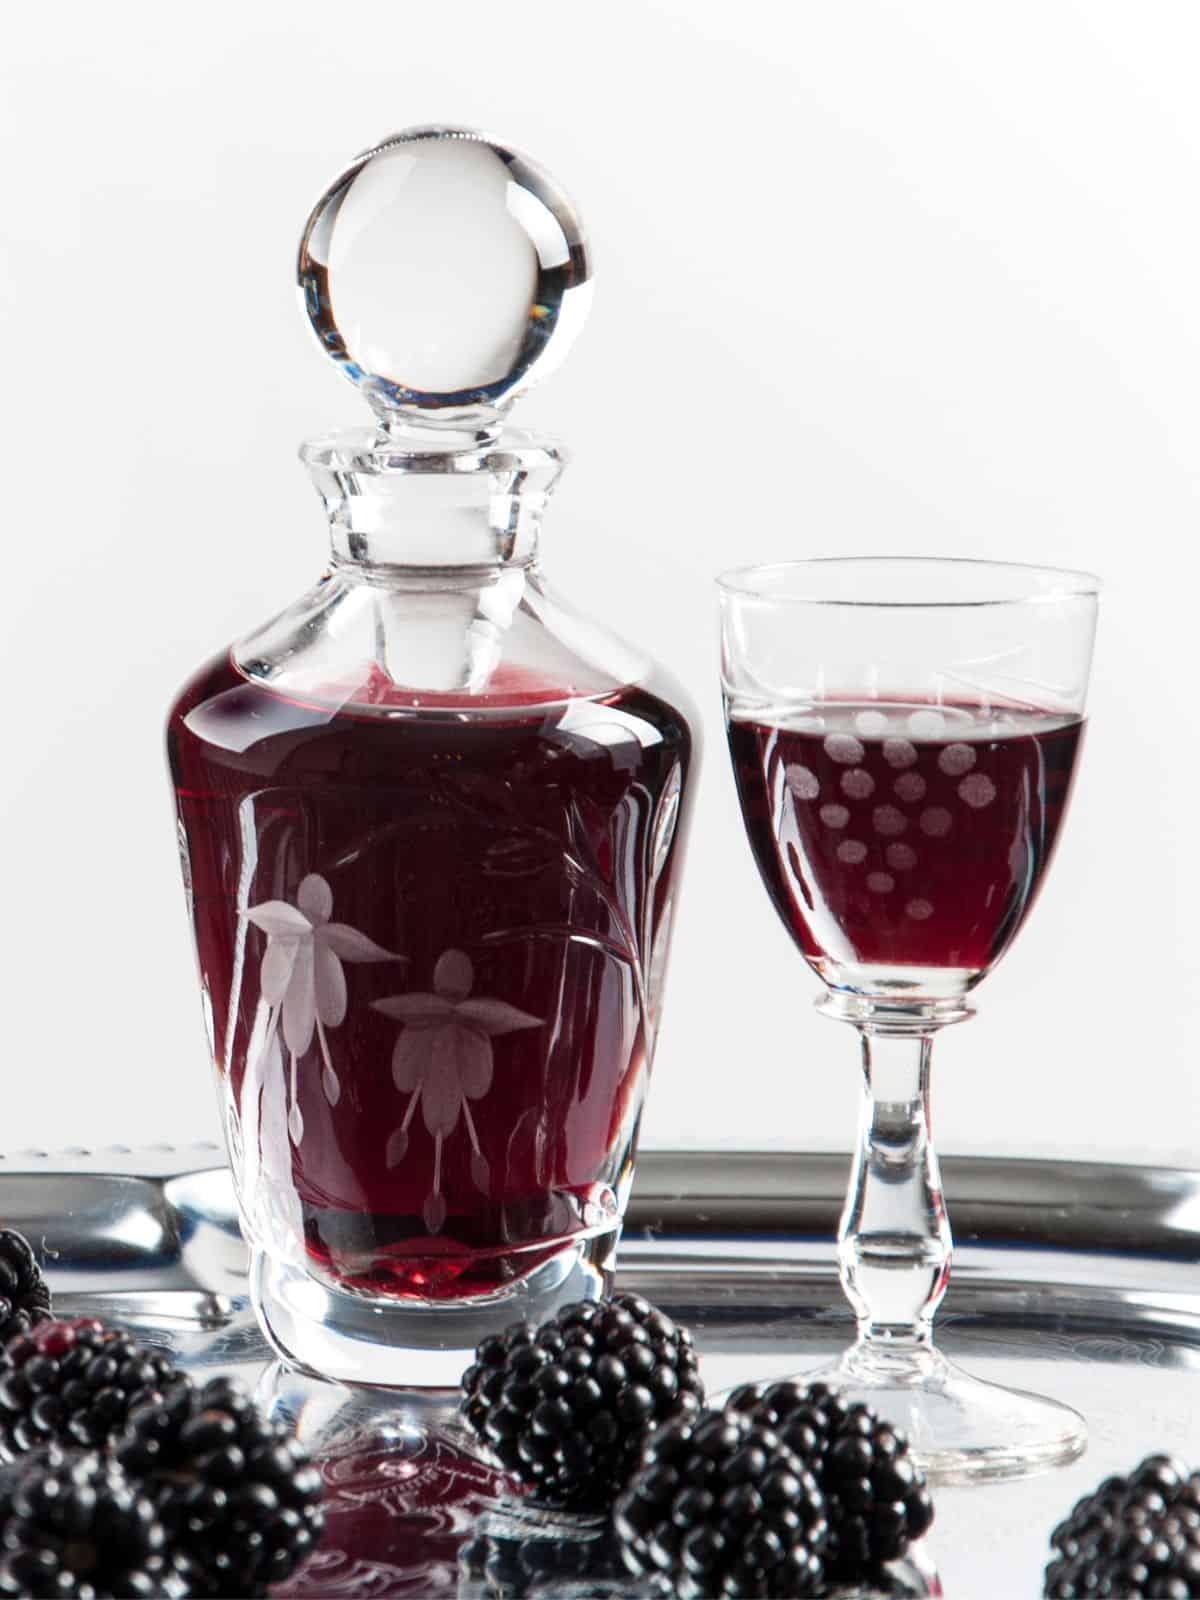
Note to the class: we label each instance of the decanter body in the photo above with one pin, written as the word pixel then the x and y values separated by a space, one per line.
pixel 431 822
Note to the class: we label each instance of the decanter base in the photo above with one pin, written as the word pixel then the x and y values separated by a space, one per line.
pixel 412 1344
pixel 961 1429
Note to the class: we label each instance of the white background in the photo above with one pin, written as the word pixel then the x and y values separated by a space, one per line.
pixel 873 278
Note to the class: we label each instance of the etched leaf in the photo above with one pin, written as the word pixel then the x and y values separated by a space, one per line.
pixel 279 920
pixel 434 1212
pixel 418 1010
pixel 411 1058
pixel 315 898
pixel 397 1147
pixel 299 1009
pixel 295 1124
pixel 496 1016
pixel 330 985
pixel 273 1199
pixel 441 1091
pixel 454 975
pixel 351 945
pixel 474 1056
pixel 480 1171
pixel 277 967
pixel 331 1085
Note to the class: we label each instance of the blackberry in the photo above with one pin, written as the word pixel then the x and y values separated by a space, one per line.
pixel 876 1497
pixel 236 1493
pixel 75 1525
pixel 566 1407
pixel 74 1383
pixel 1131 1537
pixel 24 1297
pixel 724 1507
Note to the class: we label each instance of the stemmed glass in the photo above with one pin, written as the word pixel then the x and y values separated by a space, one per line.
pixel 904 736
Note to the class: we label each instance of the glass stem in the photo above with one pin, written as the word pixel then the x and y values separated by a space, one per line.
pixel 894 1243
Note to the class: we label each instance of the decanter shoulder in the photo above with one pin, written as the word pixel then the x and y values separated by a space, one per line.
pixel 486 638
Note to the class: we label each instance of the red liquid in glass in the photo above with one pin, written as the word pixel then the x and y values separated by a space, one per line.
pixel 494 878
pixel 903 836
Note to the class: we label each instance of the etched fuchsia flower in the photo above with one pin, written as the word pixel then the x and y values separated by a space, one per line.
pixel 443 1060
pixel 302 978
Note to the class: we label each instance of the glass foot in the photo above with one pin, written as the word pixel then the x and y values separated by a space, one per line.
pixel 411 1345
pixel 961 1429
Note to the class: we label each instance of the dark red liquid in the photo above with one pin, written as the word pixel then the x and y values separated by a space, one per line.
pixel 887 849
pixel 496 887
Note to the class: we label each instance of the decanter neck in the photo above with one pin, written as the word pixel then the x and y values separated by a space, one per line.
pixel 424 500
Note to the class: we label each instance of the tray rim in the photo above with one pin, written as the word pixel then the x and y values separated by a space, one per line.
pixel 1045 1203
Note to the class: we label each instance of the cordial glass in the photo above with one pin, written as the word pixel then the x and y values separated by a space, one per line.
pixel 904 736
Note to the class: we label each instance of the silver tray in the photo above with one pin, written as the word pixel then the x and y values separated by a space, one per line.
pixel 1073 1279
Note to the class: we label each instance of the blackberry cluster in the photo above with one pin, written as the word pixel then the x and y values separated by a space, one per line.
pixel 74 1384
pixel 24 1297
pixel 566 1407
pixel 236 1493
pixel 724 1506
pixel 1131 1537
pixel 76 1528
pixel 876 1499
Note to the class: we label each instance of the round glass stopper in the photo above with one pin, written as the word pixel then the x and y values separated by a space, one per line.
pixel 445 274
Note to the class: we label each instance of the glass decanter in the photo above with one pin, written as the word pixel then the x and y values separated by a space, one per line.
pixel 431 818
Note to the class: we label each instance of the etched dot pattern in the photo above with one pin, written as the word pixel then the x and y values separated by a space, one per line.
pixel 956 759
pixel 909 787
pixel 977 791
pixel 899 753
pixel 844 748
pixel 857 784
pixel 802 782
pixel 901 857
pixel 927 724
pixel 889 821
pixel 914 828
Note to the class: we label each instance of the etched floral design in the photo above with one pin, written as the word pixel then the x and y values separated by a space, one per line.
pixel 443 1060
pixel 302 979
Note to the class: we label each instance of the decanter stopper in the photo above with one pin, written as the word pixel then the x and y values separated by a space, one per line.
pixel 445 274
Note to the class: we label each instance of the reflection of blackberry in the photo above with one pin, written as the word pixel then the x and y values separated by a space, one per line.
pixel 75 1525
pixel 566 1407
pixel 877 1500
pixel 24 1297
pixel 1131 1537
pixel 235 1492
pixel 726 1508
pixel 498 1568
pixel 74 1383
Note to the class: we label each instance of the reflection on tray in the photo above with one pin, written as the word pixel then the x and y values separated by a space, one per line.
pixel 412 1510
pixel 1093 1269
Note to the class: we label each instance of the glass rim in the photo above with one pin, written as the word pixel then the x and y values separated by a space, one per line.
pixel 1056 583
